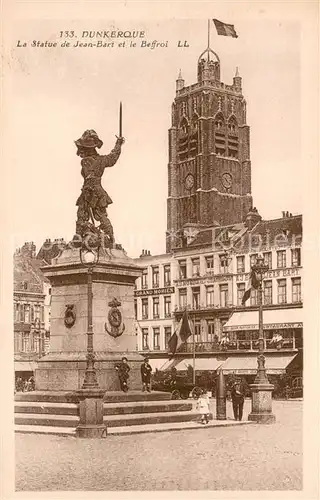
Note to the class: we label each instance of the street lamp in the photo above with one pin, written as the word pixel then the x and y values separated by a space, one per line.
pixel 89 257
pixel 90 396
pixel 261 411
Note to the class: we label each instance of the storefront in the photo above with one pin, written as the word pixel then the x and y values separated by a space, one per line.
pixel 242 329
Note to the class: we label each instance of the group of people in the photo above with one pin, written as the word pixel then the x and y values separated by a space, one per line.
pixel 123 370
pixel 25 385
pixel 237 396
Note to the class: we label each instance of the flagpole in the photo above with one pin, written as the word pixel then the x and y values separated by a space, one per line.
pixel 208 39
pixel 194 353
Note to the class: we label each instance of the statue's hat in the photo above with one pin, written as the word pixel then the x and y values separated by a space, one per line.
pixel 89 139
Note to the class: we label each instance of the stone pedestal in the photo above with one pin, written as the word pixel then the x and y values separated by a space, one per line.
pixel 113 277
pixel 261 411
pixel 91 414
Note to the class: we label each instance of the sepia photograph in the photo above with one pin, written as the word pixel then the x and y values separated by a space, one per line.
pixel 157 244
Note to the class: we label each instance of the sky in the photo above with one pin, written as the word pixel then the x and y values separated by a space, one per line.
pixel 57 93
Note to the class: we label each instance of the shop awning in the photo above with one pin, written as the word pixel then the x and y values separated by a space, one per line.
pixel 247 365
pixel 25 366
pixel 201 364
pixel 272 319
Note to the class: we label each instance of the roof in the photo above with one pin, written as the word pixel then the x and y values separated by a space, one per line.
pixel 286 231
pixel 27 270
pixel 50 250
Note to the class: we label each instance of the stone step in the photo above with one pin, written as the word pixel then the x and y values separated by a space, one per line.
pixel 110 420
pixel 132 429
pixel 109 408
pixel 110 397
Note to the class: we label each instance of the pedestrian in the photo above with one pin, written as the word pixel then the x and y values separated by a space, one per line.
pixel 123 370
pixel 146 371
pixel 237 396
pixel 203 407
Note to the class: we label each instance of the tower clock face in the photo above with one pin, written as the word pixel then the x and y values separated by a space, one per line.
pixel 189 181
pixel 226 180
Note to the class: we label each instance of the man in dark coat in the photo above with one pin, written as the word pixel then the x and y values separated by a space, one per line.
pixel 123 370
pixel 146 375
pixel 237 396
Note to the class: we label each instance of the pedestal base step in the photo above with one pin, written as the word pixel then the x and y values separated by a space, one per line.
pixel 134 429
pixel 110 420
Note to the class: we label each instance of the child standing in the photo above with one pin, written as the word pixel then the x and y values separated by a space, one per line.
pixel 203 407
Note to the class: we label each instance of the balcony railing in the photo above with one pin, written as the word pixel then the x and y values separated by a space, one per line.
pixel 238 345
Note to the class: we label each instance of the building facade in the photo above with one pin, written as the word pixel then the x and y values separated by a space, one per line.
pixel 32 297
pixel 214 235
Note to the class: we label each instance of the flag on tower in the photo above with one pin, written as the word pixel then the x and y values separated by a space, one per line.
pixel 181 334
pixel 253 283
pixel 225 29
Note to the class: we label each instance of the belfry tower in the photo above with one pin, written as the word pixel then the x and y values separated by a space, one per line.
pixel 209 170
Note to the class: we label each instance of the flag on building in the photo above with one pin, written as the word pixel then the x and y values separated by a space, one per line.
pixel 181 334
pixel 252 283
pixel 225 29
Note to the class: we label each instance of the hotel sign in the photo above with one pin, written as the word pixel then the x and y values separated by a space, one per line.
pixel 276 273
pixel 205 280
pixel 154 291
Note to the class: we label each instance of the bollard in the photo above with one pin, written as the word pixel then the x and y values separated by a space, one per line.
pixel 221 397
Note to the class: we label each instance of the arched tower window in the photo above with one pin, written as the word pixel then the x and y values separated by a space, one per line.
pixel 233 138
pixel 183 138
pixel 220 134
pixel 193 139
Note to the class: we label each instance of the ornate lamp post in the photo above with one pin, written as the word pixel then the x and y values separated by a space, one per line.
pixel 261 411
pixel 89 258
pixel 90 396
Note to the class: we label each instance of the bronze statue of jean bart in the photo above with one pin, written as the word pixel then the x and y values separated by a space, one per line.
pixel 94 200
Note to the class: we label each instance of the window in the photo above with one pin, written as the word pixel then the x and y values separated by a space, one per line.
pixel 156 338
pixel 145 342
pixel 36 343
pixel 25 285
pixel 210 296
pixel 167 275
pixel 253 259
pixel 219 135
pixel 167 307
pixel 145 312
pixel 282 291
pixel 281 258
pixel 25 342
pixel 182 297
pixel 17 312
pixel 27 313
pixel 210 328
pixel 267 292
pixel 197 328
pixel 196 297
pixel 195 267
pixel 155 307
pixel 224 263
pixel 42 314
pixel 167 336
pixel 37 311
pixel 155 277
pixel 254 297
pixel 268 259
pixel 183 269
pixel 145 278
pixel 223 295
pixel 135 309
pixel 295 257
pixel 240 291
pixel 296 289
pixel 240 264
pixel 209 264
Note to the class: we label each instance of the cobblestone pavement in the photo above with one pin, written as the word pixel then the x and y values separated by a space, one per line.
pixel 253 457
